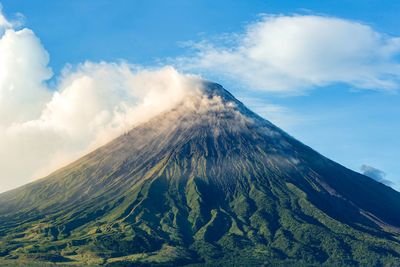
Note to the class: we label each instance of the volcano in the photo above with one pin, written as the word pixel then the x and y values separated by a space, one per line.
pixel 207 183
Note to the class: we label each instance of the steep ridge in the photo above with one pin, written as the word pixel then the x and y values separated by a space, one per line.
pixel 208 182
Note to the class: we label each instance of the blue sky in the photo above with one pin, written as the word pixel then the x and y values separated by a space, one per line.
pixel 351 125
pixel 145 30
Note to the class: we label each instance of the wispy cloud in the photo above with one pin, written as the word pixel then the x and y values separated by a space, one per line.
pixel 376 174
pixel 280 115
pixel 4 23
pixel 292 54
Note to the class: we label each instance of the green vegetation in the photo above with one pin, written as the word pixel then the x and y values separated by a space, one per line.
pixel 218 188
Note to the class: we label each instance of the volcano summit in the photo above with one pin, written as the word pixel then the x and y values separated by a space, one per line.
pixel 208 182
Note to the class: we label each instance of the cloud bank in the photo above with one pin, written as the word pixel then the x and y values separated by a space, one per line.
pixel 43 128
pixel 291 54
pixel 376 174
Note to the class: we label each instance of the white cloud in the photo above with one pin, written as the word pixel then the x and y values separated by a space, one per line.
pixel 92 105
pixel 42 129
pixel 23 69
pixel 290 54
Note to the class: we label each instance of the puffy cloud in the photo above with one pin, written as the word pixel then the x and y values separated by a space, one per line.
pixel 375 174
pixel 42 129
pixel 23 69
pixel 290 54
pixel 92 105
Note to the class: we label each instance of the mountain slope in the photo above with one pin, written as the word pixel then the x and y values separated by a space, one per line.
pixel 208 182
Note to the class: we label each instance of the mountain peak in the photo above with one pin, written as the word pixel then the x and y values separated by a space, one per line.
pixel 214 89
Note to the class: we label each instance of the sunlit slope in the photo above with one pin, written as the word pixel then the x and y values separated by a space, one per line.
pixel 208 182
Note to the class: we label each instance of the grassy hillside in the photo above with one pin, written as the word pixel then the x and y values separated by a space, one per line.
pixel 211 184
